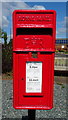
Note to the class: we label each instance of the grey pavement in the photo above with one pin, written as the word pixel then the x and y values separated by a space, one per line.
pixel 59 110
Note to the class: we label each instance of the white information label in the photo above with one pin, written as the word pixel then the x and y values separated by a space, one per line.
pixel 33 77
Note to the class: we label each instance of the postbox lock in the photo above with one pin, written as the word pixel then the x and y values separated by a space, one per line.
pixel 34 54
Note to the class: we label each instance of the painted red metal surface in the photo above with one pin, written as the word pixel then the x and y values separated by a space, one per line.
pixel 33 32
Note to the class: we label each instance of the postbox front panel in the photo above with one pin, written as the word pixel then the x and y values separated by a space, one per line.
pixel 30 42
pixel 34 83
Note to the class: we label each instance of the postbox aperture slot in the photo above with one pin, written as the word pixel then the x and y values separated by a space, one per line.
pixel 46 52
pixel 34 31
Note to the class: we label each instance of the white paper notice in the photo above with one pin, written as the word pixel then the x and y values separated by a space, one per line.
pixel 33 77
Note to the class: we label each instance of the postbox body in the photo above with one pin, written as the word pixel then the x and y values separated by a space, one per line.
pixel 33 58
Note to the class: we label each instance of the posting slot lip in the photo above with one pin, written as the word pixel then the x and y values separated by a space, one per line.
pixel 49 50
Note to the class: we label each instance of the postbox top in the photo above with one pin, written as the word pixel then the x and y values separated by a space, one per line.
pixel 26 23
pixel 34 11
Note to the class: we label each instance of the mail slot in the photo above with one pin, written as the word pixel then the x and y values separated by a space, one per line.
pixel 33 58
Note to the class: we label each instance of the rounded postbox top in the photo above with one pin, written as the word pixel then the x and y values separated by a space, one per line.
pixel 34 11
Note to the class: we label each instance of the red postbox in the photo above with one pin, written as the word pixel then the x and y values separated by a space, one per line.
pixel 33 58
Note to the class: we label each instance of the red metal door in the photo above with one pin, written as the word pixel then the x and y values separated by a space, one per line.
pixel 35 100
